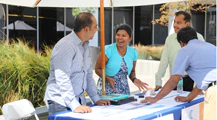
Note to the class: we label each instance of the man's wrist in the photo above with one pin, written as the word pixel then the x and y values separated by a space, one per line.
pixel 187 99
pixel 73 104
pixel 155 98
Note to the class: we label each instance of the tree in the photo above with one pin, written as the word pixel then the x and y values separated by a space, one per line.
pixel 168 9
pixel 76 11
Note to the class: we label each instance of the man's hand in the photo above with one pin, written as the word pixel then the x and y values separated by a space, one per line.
pixel 83 109
pixel 158 87
pixel 111 83
pixel 149 99
pixel 181 99
pixel 141 85
pixel 103 102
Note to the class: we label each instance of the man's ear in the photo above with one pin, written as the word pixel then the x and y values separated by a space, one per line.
pixel 188 23
pixel 86 28
pixel 182 44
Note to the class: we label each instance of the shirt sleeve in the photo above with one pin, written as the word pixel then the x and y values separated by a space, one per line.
pixel 91 85
pixel 181 63
pixel 62 61
pixel 135 54
pixel 163 64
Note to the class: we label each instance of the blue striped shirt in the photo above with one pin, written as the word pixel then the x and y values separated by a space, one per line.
pixel 71 73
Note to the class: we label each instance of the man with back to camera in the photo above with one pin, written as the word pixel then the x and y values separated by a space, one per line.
pixel 171 48
pixel 71 69
pixel 198 58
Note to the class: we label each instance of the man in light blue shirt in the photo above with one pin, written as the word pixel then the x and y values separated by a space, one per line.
pixel 198 58
pixel 170 51
pixel 71 70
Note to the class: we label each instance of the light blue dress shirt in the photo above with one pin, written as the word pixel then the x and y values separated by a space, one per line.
pixel 71 73
pixel 168 56
pixel 198 58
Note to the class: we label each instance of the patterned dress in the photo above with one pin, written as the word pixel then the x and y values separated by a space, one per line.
pixel 121 84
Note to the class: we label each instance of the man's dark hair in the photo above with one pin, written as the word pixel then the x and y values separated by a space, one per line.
pixel 125 27
pixel 186 34
pixel 187 16
pixel 82 20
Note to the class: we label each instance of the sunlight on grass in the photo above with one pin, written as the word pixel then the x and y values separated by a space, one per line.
pixel 23 72
pixel 149 52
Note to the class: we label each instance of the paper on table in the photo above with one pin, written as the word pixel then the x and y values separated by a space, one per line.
pixel 102 112
pixel 129 110
pixel 117 112
pixel 135 113
pixel 96 114
pixel 169 99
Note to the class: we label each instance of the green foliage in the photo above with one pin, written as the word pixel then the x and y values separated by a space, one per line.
pixel 168 9
pixel 23 72
pixel 76 11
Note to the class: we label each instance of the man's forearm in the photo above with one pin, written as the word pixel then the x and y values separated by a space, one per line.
pixel 195 92
pixel 161 71
pixel 168 87
pixel 162 66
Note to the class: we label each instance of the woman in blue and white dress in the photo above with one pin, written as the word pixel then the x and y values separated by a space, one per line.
pixel 120 62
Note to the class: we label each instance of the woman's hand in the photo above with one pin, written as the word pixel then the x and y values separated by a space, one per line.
pixel 111 82
pixel 141 85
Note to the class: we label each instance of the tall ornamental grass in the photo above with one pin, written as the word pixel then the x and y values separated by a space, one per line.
pixel 142 51
pixel 23 72
pixel 155 52
pixel 149 52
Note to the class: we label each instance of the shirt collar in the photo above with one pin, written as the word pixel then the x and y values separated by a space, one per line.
pixel 193 40
pixel 77 40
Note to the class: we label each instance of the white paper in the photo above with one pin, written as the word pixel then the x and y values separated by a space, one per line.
pixel 130 110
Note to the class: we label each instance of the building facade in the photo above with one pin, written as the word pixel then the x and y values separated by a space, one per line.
pixel 45 26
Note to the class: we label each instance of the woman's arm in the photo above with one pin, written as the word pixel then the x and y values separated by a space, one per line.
pixel 133 72
pixel 98 66
pixel 141 85
pixel 98 71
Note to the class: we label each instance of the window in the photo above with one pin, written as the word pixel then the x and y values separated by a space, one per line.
pixel 160 32
pixel 211 25
pixel 143 25
pixel 22 24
